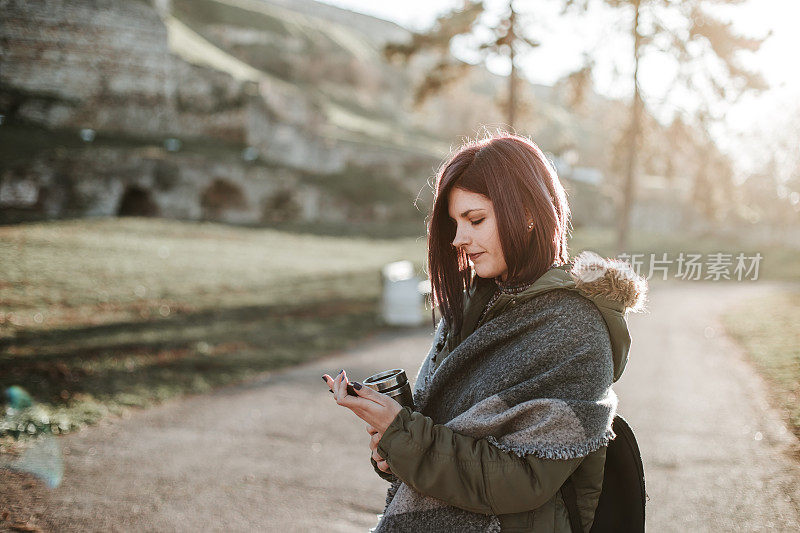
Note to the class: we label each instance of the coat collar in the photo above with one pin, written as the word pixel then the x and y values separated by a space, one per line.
pixel 610 282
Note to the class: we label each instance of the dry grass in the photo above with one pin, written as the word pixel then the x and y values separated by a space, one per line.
pixel 767 328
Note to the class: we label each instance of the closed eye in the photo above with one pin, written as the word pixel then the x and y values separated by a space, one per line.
pixel 476 222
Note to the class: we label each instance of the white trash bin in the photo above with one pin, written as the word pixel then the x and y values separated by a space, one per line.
pixel 402 301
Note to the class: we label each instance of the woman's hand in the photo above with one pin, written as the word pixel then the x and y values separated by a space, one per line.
pixel 375 438
pixel 374 408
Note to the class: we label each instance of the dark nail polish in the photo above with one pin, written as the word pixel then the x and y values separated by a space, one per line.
pixel 341 372
pixel 329 390
pixel 356 385
pixel 325 380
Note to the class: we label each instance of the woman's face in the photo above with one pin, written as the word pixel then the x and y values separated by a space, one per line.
pixel 476 232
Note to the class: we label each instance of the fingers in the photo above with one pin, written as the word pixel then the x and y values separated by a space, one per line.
pixel 363 409
pixel 377 456
pixel 380 462
pixel 373 442
pixel 333 383
pixel 383 466
pixel 367 409
pixel 336 381
pixel 370 394
pixel 358 405
pixel 341 386
pixel 338 386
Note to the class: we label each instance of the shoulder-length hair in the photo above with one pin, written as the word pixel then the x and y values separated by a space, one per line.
pixel 522 184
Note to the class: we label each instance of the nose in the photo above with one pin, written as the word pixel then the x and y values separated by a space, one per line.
pixel 462 238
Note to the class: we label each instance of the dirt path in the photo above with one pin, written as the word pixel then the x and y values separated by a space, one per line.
pixel 716 457
pixel 279 455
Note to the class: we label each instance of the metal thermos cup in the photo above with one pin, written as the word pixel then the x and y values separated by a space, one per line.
pixel 394 384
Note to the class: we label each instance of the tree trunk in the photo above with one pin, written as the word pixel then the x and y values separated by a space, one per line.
pixel 512 94
pixel 512 77
pixel 634 132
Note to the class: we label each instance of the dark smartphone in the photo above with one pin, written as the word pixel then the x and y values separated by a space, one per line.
pixel 350 390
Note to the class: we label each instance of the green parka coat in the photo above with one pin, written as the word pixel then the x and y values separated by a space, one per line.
pixel 523 492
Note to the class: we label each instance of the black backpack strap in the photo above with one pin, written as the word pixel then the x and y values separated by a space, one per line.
pixel 570 497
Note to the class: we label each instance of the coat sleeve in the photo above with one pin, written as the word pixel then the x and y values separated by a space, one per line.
pixel 468 472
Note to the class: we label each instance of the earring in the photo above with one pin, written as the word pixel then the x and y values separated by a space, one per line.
pixel 530 225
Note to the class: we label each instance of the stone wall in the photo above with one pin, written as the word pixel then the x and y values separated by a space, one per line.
pixel 103 65
pixel 94 181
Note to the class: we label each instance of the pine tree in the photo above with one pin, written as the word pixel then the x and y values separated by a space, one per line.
pixel 508 40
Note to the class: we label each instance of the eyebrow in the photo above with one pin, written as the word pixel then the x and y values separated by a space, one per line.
pixel 468 211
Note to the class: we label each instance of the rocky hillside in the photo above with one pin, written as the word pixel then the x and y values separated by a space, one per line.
pixel 261 110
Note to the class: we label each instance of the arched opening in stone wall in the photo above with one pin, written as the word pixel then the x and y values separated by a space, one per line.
pixel 137 202
pixel 281 206
pixel 221 196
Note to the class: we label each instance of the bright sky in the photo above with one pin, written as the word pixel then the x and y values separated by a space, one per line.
pixel 561 51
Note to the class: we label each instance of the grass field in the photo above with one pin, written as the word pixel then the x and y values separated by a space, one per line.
pixel 767 328
pixel 99 271
pixel 101 314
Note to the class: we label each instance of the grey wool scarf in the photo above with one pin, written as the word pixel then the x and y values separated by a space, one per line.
pixel 534 380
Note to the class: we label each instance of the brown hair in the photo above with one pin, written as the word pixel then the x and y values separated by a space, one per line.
pixel 521 183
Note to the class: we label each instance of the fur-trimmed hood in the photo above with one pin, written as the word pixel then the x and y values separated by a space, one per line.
pixel 613 286
pixel 611 278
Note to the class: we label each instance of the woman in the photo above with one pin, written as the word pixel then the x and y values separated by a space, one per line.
pixel 515 394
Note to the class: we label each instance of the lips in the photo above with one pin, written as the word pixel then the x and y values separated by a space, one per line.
pixel 472 257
